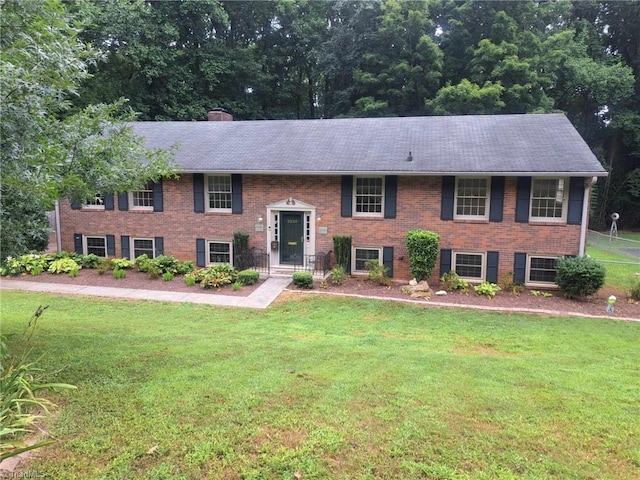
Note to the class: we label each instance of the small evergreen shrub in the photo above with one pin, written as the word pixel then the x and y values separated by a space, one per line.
pixel 487 289
pixel 248 277
pixel 579 276
pixel 377 273
pixel 241 249
pixel 337 275
pixel 422 248
pixel 303 280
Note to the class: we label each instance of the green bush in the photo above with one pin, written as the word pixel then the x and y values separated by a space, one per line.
pixel 119 273
pixel 634 292
pixel 342 251
pixel 122 263
pixel 185 267
pixel 451 281
pixel 31 263
pixel 487 289
pixel 377 273
pixel 337 275
pixel 240 249
pixel 248 277
pixel 303 280
pixel 167 276
pixel 65 265
pixel 579 276
pixel 143 262
pixel 91 260
pixel 217 276
pixel 422 248
pixel 104 266
pixel 236 286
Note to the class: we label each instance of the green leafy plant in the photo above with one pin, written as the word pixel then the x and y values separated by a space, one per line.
pixel 104 266
pixel 119 273
pixel 303 280
pixel 236 286
pixel 122 263
pixel 143 262
pixel 31 263
pixel 217 276
pixel 342 251
pixel 190 279
pixel 248 277
pixel 487 289
pixel 185 267
pixel 634 291
pixel 65 265
pixel 337 275
pixel 21 382
pixel 422 248
pixel 377 273
pixel 579 276
pixel 168 276
pixel 451 281
pixel 506 283
pixel 91 260
pixel 540 293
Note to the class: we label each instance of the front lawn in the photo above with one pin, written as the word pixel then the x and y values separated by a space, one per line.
pixel 332 388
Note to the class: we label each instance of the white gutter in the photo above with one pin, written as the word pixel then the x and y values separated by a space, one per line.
pixel 585 214
pixel 58 239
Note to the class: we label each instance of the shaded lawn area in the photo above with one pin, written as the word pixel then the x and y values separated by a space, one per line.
pixel 332 388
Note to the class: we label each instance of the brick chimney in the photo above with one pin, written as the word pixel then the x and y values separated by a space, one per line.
pixel 219 115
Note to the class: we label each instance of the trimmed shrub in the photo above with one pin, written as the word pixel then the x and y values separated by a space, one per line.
pixel 579 276
pixel 248 277
pixel 303 280
pixel 422 248
pixel 240 249
pixel 342 251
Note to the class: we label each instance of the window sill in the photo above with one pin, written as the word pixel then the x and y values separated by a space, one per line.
pixel 471 220
pixel 141 210
pixel 374 218
pixel 548 223
pixel 217 212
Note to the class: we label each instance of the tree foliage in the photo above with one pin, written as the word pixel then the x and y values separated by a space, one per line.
pixel 49 150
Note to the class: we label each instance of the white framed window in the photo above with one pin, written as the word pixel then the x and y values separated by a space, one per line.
pixel 469 266
pixel 368 196
pixel 142 246
pixel 220 252
pixel 541 269
pixel 472 198
pixel 361 255
pixel 548 199
pixel 218 194
pixel 142 199
pixel 94 203
pixel 95 244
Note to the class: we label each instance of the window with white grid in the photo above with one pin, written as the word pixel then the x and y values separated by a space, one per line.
pixel 548 200
pixel 368 196
pixel 219 193
pixel 142 199
pixel 472 198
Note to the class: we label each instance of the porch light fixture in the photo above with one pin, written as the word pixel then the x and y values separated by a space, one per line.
pixel 260 218
pixel 291 201
pixel 410 158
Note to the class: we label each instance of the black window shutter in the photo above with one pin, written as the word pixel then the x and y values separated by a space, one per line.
pixel 123 201
pixel 523 194
pixel 159 243
pixel 387 260
pixel 448 192
pixel 492 267
pixel 158 204
pixel 236 193
pixel 519 268
pixel 124 246
pixel 347 196
pixel 445 261
pixel 77 243
pixel 111 245
pixel 201 259
pixel 576 196
pixel 497 199
pixel 198 193
pixel 75 205
pixel 108 202
pixel 390 196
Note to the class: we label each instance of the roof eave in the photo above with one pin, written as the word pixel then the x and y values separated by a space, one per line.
pixel 401 173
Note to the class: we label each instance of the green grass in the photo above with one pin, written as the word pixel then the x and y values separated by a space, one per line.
pixel 619 276
pixel 332 388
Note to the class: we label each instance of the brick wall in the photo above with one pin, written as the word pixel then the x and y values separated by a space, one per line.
pixel 418 206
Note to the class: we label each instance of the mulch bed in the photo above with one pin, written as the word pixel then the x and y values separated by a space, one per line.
pixel 594 306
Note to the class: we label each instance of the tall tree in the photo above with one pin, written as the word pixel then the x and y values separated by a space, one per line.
pixel 48 152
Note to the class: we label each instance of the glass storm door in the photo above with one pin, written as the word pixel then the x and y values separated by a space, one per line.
pixel 292 238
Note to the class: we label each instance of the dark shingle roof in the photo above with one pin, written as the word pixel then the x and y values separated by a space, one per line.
pixel 500 144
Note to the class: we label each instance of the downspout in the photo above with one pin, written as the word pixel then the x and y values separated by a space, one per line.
pixel 58 239
pixel 585 213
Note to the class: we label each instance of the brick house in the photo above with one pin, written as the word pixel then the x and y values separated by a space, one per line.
pixel 506 193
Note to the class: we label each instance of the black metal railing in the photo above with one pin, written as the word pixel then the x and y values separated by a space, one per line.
pixel 316 264
pixel 253 259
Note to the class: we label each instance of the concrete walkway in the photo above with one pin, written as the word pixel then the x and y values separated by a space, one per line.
pixel 261 297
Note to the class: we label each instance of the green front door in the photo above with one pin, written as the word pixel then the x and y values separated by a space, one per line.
pixel 291 238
